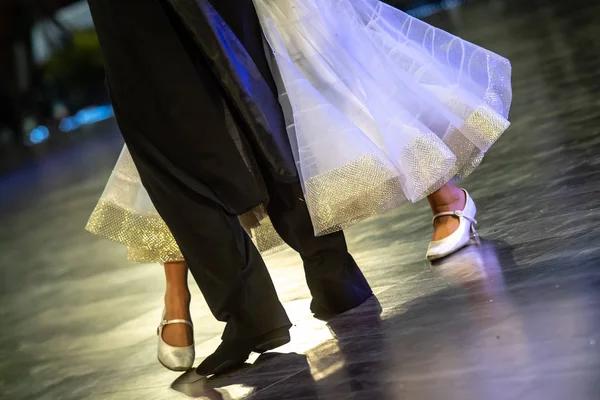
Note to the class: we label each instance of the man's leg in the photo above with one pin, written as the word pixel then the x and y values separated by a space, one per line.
pixel 335 281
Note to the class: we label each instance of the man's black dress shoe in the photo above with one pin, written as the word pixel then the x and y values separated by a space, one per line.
pixel 234 353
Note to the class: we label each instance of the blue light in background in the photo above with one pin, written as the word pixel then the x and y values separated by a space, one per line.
pixel 430 9
pixel 87 116
pixel 39 134
pixel 67 125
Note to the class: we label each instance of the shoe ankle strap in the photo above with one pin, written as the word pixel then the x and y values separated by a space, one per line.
pixel 457 213
pixel 165 322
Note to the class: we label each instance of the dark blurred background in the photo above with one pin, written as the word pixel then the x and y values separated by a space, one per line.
pixel 52 80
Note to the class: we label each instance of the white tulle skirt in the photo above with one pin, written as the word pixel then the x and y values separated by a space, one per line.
pixel 381 108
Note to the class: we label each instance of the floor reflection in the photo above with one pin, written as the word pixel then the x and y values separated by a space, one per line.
pixel 324 371
pixel 253 379
pixel 478 268
pixel 479 271
pixel 478 331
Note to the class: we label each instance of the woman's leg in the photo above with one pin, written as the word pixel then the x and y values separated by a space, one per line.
pixel 447 198
pixel 177 305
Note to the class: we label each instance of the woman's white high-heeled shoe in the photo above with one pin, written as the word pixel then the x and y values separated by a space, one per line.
pixel 171 357
pixel 459 238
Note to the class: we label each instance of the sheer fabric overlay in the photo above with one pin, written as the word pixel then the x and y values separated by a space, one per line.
pixel 381 107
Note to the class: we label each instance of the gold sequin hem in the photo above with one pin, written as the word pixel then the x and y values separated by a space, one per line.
pixel 149 240
pixel 147 237
pixel 371 185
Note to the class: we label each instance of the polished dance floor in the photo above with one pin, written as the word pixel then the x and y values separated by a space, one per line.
pixel 517 317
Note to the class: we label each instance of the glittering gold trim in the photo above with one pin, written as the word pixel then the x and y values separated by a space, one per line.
pixel 470 142
pixel 371 185
pixel 360 189
pixel 259 227
pixel 143 256
pixel 147 237
pixel 149 240
pixel 422 162
pixel 265 238
pixel 483 127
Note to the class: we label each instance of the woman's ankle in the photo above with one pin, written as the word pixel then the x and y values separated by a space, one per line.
pixel 177 303
pixel 177 293
pixel 448 198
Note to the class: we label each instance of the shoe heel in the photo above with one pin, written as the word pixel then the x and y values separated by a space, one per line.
pixel 475 239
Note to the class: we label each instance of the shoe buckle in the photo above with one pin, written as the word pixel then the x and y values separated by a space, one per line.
pixel 162 324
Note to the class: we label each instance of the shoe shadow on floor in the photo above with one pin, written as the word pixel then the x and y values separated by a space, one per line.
pixel 290 375
pixel 246 381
